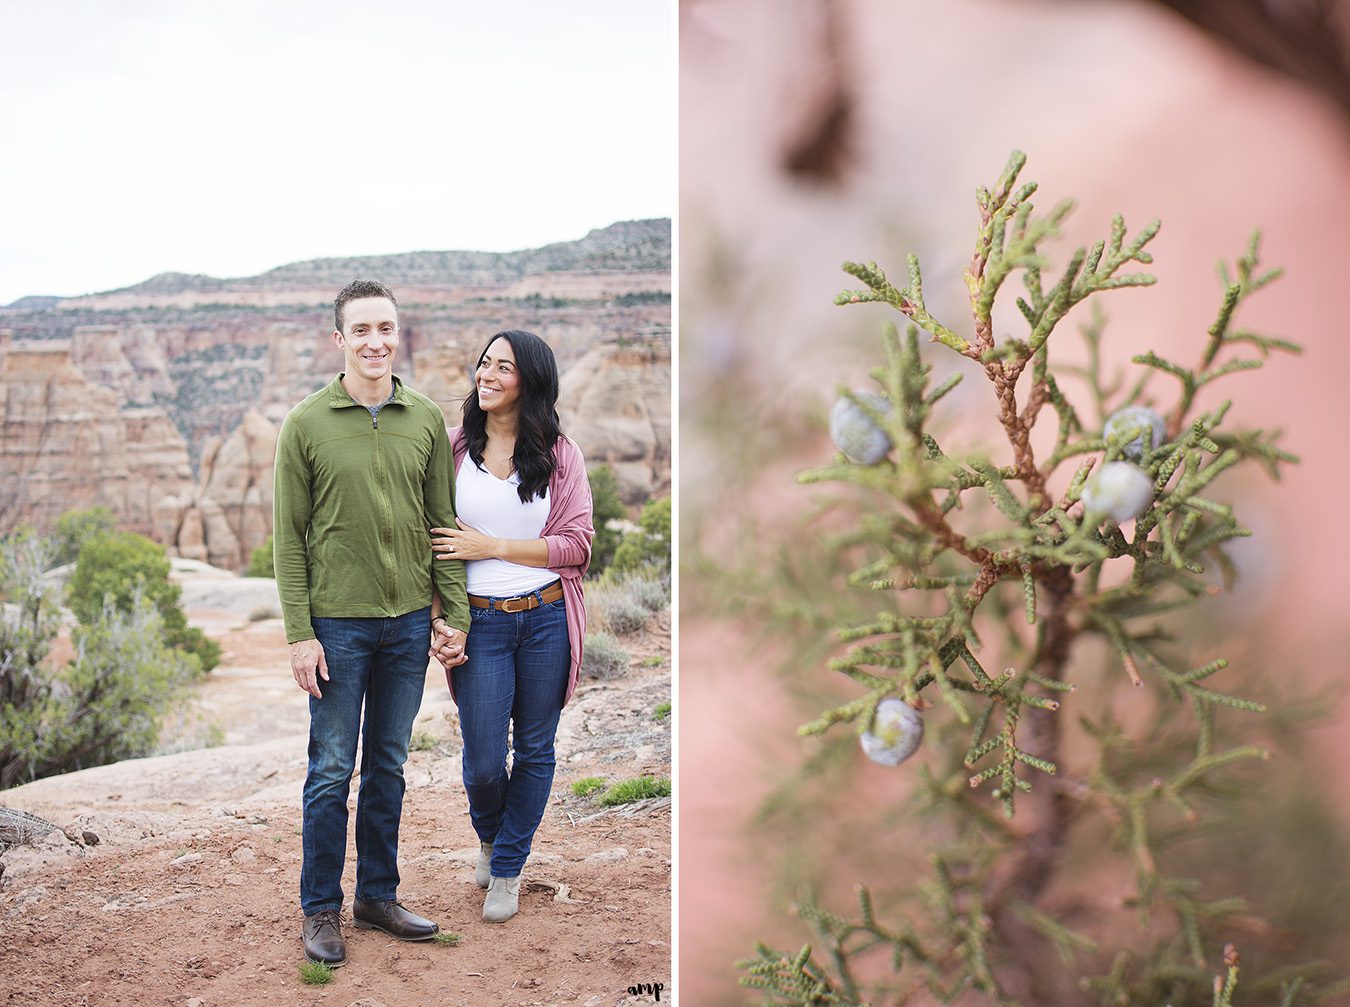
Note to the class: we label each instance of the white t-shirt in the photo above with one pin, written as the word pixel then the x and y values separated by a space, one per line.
pixel 493 506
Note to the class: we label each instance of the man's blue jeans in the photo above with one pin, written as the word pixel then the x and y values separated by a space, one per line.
pixel 382 662
pixel 516 676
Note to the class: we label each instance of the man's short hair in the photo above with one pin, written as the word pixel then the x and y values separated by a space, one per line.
pixel 356 290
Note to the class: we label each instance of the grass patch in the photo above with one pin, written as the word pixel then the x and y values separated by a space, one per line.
pixel 447 938
pixel 638 789
pixel 661 712
pixel 315 973
pixel 422 741
pixel 652 661
pixel 588 786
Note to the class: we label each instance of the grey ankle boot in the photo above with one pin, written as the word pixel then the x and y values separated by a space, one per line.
pixel 503 899
pixel 483 872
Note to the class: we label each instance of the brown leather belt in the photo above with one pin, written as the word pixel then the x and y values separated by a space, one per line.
pixel 521 602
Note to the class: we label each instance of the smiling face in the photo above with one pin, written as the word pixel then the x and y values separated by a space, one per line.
pixel 497 379
pixel 369 338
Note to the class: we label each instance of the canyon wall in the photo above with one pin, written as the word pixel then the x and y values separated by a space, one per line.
pixel 162 401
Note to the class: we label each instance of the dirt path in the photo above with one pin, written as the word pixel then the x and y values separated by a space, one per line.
pixel 180 887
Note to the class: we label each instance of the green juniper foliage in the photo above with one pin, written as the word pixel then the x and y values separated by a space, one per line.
pixel 963 547
pixel 260 560
pixel 104 705
pixel 113 567
pixel 606 507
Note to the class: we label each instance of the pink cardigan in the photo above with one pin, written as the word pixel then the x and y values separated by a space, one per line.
pixel 568 532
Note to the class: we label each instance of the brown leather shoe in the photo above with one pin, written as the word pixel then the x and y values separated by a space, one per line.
pixel 393 919
pixel 323 938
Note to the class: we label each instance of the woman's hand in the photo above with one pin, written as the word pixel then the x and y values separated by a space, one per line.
pixel 463 542
pixel 448 645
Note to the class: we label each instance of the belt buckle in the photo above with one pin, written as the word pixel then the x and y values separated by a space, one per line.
pixel 517 604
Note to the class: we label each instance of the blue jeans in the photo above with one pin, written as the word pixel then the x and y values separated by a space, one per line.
pixel 516 676
pixel 384 663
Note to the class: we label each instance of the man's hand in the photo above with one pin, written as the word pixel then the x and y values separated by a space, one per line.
pixel 448 645
pixel 308 666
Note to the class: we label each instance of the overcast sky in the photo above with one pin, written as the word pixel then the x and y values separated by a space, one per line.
pixel 230 137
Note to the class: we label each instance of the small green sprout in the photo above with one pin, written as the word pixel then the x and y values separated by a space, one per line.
pixel 315 973
pixel 422 741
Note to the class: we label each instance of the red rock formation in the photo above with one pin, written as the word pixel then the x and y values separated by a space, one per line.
pixel 226 359
pixel 232 512
pixel 615 404
pixel 65 443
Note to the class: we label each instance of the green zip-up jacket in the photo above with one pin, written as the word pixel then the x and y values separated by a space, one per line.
pixel 354 500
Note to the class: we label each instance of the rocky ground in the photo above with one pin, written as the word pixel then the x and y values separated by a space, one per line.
pixel 173 880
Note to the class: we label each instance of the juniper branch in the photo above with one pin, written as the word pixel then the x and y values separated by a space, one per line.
pixel 1044 558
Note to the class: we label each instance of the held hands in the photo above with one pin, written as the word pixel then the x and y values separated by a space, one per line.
pixel 448 645
pixel 308 666
pixel 462 542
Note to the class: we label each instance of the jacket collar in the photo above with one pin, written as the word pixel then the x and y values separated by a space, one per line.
pixel 339 399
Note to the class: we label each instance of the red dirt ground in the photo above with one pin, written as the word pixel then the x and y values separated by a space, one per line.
pixel 190 895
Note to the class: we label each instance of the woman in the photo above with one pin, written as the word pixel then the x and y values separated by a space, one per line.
pixel 524 533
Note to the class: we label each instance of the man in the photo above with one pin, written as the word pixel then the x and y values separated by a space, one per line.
pixel 363 472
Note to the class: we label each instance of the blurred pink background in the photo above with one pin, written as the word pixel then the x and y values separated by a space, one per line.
pixel 1122 105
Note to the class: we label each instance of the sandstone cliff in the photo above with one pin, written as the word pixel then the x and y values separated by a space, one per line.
pixel 230 513
pixel 615 404
pixel 67 442
pixel 162 401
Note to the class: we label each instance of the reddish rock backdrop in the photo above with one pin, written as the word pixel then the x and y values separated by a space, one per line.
pixel 162 401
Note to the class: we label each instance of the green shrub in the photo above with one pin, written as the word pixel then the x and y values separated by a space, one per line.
pixel 603 657
pixel 606 507
pixel 616 609
pixel 75 527
pixel 588 786
pixel 661 712
pixel 622 602
pixel 117 568
pixel 105 705
pixel 651 588
pixel 192 640
pixel 649 544
pixel 260 560
pixel 637 789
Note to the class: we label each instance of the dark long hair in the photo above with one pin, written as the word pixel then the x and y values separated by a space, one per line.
pixel 539 428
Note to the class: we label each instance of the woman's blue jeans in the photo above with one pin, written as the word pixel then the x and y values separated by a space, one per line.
pixel 515 677
pixel 382 662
